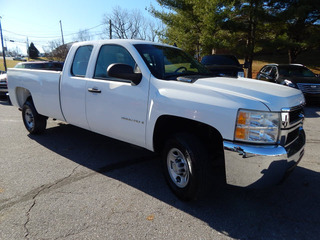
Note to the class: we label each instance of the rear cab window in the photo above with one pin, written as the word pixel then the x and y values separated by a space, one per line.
pixel 81 60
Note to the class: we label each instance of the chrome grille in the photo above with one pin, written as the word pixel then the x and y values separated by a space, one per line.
pixel 292 121
pixel 293 135
pixel 291 116
pixel 296 115
pixel 312 88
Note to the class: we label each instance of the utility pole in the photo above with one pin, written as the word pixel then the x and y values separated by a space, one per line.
pixel 3 50
pixel 28 48
pixel 61 33
pixel 110 29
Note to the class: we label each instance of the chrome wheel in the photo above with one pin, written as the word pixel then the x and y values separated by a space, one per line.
pixel 185 166
pixel 29 118
pixel 178 168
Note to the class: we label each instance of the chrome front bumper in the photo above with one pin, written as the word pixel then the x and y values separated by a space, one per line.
pixel 261 165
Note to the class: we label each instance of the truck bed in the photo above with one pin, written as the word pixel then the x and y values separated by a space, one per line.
pixel 43 85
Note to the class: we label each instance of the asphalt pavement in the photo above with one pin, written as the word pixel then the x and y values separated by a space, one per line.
pixel 69 183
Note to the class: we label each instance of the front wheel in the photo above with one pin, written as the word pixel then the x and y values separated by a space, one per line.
pixel 33 121
pixel 185 166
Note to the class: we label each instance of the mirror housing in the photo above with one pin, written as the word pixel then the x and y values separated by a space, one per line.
pixel 124 71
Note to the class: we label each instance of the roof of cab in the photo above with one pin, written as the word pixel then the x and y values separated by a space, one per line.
pixel 119 41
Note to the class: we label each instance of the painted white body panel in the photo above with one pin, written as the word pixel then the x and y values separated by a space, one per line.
pixel 129 113
pixel 43 85
pixel 215 101
pixel 119 111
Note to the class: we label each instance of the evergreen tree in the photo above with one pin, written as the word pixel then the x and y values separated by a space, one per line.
pixel 295 26
pixel 243 27
pixel 198 26
pixel 33 52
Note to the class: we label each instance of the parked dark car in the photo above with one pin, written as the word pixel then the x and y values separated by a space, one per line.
pixel 293 75
pixel 47 65
pixel 223 65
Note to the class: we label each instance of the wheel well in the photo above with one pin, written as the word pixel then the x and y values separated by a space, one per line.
pixel 22 96
pixel 169 125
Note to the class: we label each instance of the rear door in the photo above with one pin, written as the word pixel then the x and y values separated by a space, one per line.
pixel 73 88
pixel 115 107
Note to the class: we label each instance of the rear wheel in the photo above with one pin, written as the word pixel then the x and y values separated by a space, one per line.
pixel 33 121
pixel 185 166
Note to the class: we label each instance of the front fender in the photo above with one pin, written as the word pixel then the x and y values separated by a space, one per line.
pixel 185 100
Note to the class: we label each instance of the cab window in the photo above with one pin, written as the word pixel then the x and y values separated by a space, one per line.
pixel 81 60
pixel 110 54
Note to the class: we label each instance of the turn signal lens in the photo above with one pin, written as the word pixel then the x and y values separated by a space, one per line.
pixel 242 118
pixel 240 133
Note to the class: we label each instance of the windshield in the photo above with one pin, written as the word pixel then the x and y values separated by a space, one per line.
pixel 295 71
pixel 168 62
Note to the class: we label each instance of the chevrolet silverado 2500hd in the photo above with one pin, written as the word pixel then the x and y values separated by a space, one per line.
pixel 158 97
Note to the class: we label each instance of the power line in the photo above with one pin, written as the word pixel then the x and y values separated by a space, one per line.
pixel 18 40
pixel 15 38
pixel 48 37
pixel 23 35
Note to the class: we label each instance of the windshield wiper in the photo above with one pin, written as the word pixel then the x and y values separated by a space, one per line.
pixel 185 74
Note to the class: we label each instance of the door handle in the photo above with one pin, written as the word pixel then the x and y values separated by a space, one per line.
pixel 94 90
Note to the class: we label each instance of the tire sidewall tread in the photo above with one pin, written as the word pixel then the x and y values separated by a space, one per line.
pixel 40 122
pixel 197 157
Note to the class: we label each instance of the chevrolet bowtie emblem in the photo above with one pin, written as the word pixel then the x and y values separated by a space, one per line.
pixel 285 119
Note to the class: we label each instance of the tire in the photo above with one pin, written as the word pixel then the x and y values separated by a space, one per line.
pixel 33 121
pixel 9 100
pixel 185 166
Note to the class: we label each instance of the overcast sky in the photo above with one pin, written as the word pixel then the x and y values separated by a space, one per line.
pixel 39 20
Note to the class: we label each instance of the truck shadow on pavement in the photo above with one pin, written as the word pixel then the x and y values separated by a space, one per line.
pixel 5 102
pixel 287 211
pixel 312 111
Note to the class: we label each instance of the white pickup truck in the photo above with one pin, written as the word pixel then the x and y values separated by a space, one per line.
pixel 158 97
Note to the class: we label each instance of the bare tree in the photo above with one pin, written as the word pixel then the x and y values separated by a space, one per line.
pixel 56 51
pixel 153 29
pixel 15 51
pixel 129 25
pixel 83 35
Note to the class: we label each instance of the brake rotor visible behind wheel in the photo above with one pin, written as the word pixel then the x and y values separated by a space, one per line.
pixel 33 121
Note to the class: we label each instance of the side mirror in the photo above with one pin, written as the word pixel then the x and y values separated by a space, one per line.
pixel 124 71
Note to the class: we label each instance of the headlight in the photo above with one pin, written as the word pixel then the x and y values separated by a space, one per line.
pixel 289 83
pixel 257 127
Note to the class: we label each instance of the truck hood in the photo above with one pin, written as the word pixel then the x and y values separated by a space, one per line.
pixel 274 96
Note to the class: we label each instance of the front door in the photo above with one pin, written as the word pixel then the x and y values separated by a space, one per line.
pixel 115 107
